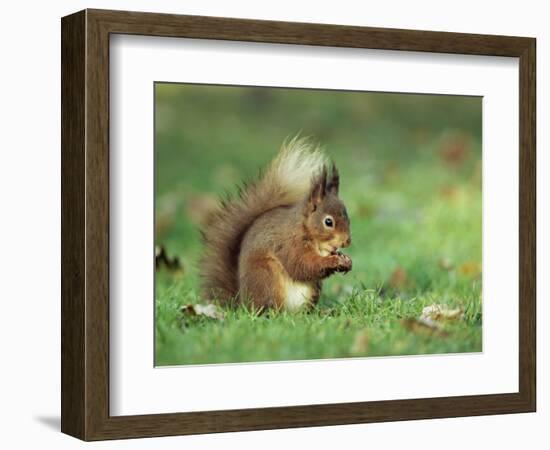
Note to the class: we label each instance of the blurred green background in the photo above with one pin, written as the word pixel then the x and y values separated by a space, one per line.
pixel 410 170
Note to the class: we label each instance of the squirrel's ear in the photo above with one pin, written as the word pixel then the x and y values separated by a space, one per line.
pixel 318 190
pixel 334 181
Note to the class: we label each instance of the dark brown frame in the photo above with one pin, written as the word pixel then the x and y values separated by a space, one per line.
pixel 85 224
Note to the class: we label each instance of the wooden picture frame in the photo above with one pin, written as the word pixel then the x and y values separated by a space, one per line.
pixel 85 224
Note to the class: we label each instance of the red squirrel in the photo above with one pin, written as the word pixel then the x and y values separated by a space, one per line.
pixel 271 246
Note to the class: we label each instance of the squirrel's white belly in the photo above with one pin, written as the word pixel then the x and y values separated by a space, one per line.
pixel 297 295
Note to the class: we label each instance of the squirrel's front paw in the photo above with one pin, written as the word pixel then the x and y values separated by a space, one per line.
pixel 336 262
pixel 344 263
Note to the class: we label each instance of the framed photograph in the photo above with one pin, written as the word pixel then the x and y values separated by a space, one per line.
pixel 273 225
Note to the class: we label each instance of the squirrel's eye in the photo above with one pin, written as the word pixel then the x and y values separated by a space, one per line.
pixel 329 222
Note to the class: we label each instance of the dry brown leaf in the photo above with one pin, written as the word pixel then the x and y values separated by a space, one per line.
pixel 455 149
pixel 450 193
pixel 470 269
pixel 162 259
pixel 211 311
pixel 360 344
pixel 441 312
pixel 424 326
pixel 399 279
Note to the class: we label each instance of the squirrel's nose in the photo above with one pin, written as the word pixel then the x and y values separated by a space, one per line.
pixel 347 242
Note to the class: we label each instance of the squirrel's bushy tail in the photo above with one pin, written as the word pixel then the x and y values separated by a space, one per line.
pixel 286 181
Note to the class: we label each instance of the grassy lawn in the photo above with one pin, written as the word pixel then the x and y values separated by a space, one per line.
pixel 411 179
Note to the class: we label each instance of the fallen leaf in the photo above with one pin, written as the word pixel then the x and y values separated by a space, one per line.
pixel 470 269
pixel 424 326
pixel 455 149
pixel 450 193
pixel 441 312
pixel 210 310
pixel 360 344
pixel 399 279
pixel 162 259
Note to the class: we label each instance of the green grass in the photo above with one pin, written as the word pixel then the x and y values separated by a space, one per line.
pixel 415 214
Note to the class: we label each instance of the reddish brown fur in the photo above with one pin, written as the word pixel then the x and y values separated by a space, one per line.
pixel 260 242
pixel 262 281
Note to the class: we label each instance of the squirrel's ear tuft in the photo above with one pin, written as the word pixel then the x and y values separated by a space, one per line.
pixel 318 190
pixel 333 182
